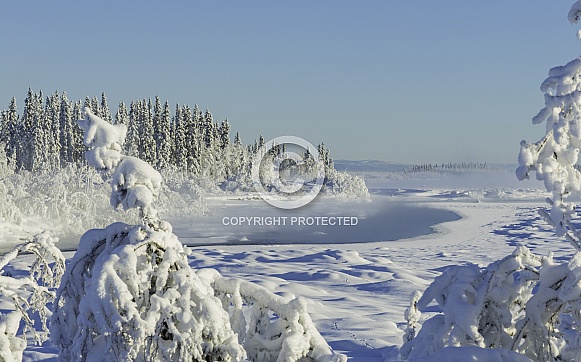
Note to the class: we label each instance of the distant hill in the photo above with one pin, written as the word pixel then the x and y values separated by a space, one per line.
pixel 370 166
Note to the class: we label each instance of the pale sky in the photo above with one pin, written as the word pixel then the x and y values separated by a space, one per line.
pixel 405 81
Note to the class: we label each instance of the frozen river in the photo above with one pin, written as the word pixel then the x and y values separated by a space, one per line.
pixel 326 220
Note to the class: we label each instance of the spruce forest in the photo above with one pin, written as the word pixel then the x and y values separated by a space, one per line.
pixel 46 136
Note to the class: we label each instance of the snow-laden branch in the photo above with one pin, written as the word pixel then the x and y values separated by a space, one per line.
pixel 29 294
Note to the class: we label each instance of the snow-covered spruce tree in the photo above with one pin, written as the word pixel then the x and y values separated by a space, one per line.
pixel 122 117
pixel 9 129
pixel 523 303
pixel 129 294
pixel 555 156
pixel 66 131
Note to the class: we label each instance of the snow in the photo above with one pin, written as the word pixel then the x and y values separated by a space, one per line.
pixel 357 281
pixel 135 185
pixel 103 139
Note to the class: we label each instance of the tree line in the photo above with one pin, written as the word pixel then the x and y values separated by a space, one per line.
pixel 46 136
pixel 429 167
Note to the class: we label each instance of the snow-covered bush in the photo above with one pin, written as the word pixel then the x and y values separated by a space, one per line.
pixel 279 329
pixel 70 200
pixel 523 303
pixel 67 201
pixel 344 185
pixel 480 307
pixel 129 293
pixel 29 294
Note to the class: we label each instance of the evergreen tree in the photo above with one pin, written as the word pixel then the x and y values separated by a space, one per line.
pixel 132 140
pixel 52 131
pixel 224 134
pixel 79 146
pixel 95 106
pixel 24 134
pixel 38 155
pixel 190 136
pixel 180 152
pixel 261 142
pixel 164 145
pixel 147 150
pixel 122 117
pixel 66 131
pixel 105 113
pixel 9 136
pixel 237 160
pixel 209 132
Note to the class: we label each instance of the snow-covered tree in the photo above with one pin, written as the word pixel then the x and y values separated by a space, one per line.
pixel 104 109
pixel 237 159
pixel 188 123
pixel 132 144
pixel 66 131
pixel 24 132
pixel 78 147
pixel 555 156
pixel 129 293
pixel 122 117
pixel 180 153
pixel 9 132
pixel 52 131
pixel 224 134
pixel 523 303
pixel 161 130
pixel 147 149
pixel 164 139
pixel 38 130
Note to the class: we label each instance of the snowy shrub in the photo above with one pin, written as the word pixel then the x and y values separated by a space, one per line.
pixel 345 185
pixel 523 303
pixel 480 307
pixel 29 294
pixel 129 294
pixel 73 199
pixel 68 200
pixel 279 329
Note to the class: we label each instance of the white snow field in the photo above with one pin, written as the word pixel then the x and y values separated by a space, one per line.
pixel 358 278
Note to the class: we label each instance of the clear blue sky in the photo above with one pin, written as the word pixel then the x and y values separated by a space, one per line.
pixel 399 80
